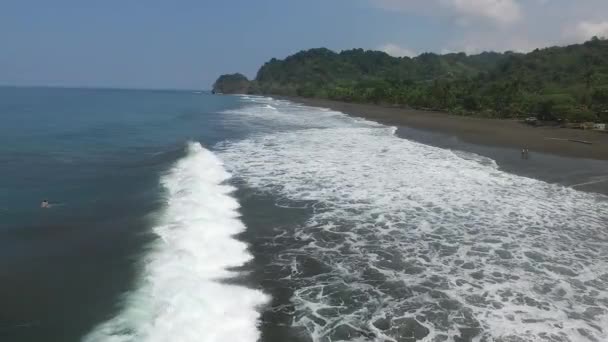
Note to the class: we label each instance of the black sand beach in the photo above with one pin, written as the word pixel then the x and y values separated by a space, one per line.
pixel 552 157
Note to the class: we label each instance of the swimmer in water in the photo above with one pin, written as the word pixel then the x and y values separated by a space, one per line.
pixel 44 204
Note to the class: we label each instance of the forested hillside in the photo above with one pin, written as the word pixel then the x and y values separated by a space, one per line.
pixel 557 83
pixel 232 84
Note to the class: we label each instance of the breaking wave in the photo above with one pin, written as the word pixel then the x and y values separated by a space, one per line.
pixel 180 295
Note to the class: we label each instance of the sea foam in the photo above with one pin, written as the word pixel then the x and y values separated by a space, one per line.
pixel 411 241
pixel 180 296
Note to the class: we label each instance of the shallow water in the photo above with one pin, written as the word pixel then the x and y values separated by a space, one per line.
pixel 405 240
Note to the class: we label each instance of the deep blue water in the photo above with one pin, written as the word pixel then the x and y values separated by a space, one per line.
pixel 97 156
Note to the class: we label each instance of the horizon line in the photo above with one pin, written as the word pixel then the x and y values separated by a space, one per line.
pixel 75 87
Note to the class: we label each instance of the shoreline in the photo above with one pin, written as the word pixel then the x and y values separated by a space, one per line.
pixel 484 131
pixel 579 166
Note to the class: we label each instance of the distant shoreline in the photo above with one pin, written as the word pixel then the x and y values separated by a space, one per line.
pixel 492 132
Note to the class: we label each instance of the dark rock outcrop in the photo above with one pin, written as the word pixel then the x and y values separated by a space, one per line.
pixel 232 84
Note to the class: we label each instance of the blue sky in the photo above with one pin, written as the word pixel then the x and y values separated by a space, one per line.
pixel 188 43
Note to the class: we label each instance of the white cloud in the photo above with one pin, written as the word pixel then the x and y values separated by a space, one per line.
pixel 473 26
pixel 464 11
pixel 501 11
pixel 396 50
pixel 587 29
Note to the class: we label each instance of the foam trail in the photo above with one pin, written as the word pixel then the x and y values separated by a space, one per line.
pixel 179 296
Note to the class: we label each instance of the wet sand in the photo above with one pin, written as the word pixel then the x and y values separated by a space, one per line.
pixel 552 157
pixel 503 133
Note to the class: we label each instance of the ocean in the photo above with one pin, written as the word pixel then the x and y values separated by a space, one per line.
pixel 186 216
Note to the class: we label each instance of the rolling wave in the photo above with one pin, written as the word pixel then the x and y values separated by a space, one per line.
pixel 180 295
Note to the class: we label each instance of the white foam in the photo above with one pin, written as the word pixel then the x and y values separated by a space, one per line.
pixel 180 296
pixel 264 114
pixel 390 204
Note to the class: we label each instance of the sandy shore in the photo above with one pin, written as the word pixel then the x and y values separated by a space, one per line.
pixel 503 133
pixel 552 157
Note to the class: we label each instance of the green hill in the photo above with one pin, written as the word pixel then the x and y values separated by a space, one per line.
pixel 317 71
pixel 232 84
pixel 558 83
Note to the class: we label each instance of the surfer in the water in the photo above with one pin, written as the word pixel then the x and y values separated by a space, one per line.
pixel 44 204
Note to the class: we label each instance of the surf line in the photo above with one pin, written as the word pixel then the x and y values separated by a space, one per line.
pixel 599 180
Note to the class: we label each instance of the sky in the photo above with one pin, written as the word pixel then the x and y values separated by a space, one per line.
pixel 187 44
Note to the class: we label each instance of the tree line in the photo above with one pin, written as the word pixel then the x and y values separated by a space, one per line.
pixel 568 84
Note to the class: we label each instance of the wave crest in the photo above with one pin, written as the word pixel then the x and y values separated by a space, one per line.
pixel 180 296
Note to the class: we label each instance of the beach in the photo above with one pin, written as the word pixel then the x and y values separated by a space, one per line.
pixel 367 231
pixel 502 133
pixel 246 218
pixel 552 156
